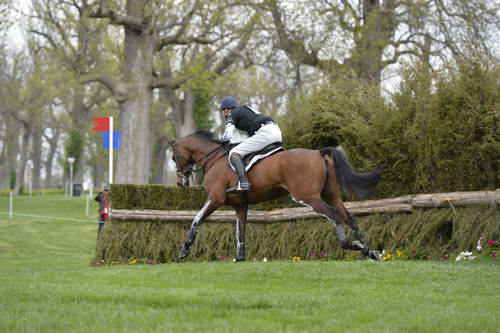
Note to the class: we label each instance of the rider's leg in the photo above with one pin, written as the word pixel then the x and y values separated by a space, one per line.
pixel 243 184
pixel 264 136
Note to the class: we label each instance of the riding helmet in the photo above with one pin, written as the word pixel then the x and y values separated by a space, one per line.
pixel 228 102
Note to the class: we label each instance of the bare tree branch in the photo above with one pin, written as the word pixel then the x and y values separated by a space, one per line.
pixel 295 48
pixel 236 52
pixel 169 82
pixel 116 19
pixel 118 89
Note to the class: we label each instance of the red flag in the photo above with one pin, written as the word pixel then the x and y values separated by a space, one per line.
pixel 102 124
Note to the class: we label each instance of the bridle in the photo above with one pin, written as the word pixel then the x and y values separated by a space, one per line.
pixel 187 171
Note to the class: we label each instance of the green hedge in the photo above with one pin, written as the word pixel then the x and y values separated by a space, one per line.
pixel 429 234
pixel 426 234
pixel 167 197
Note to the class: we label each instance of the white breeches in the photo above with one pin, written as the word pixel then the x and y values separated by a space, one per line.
pixel 266 135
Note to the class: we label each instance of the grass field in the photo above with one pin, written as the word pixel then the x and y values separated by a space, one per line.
pixel 47 285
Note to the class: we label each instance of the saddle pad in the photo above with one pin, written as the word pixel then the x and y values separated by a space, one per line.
pixel 256 158
pixel 251 159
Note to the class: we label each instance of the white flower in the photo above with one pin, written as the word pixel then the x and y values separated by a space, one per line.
pixel 264 260
pixel 465 255
pixel 479 248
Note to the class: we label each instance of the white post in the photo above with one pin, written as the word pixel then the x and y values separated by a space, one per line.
pixel 71 179
pixel 71 160
pixel 87 205
pixel 11 204
pixel 110 150
pixel 91 190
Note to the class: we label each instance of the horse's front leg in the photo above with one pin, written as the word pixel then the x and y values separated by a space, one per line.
pixel 241 221
pixel 207 209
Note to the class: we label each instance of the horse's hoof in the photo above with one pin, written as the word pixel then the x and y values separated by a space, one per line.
pixel 184 253
pixel 374 255
pixel 359 245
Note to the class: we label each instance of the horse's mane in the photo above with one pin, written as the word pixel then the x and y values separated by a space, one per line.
pixel 204 134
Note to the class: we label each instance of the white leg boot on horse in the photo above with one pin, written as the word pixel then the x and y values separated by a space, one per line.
pixel 209 207
pixel 241 221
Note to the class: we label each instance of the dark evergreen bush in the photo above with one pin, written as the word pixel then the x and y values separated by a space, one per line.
pixel 439 133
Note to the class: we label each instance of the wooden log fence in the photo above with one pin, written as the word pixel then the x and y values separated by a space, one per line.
pixel 405 204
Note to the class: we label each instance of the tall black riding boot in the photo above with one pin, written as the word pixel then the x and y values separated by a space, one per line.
pixel 243 184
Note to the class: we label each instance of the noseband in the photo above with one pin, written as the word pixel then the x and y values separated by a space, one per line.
pixel 186 172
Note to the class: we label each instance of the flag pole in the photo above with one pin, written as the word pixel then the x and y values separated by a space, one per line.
pixel 110 150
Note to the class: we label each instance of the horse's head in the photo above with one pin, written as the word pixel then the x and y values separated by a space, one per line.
pixel 183 161
pixel 196 148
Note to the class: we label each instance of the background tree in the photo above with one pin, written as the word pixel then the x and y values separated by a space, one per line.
pixel 366 36
pixel 74 43
pixel 150 27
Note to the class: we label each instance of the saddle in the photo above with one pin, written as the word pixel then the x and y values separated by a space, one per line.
pixel 253 158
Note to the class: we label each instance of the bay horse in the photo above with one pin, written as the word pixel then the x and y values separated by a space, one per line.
pixel 311 177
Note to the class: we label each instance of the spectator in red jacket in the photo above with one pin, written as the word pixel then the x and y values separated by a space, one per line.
pixel 103 199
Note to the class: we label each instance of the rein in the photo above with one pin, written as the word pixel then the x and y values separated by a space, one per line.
pixel 187 171
pixel 207 156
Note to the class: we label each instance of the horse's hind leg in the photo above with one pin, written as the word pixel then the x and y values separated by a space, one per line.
pixel 241 221
pixel 358 236
pixel 321 207
pixel 331 195
pixel 335 215
pixel 207 209
pixel 334 199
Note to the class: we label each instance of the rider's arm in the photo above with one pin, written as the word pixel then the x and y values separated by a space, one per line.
pixel 228 132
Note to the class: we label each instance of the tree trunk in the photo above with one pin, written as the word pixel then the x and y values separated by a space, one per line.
pixel 12 150
pixel 50 157
pixel 81 119
pixel 161 160
pixel 23 159
pixel 134 157
pixel 375 34
pixel 98 175
pixel 182 111
pixel 3 156
pixel 36 156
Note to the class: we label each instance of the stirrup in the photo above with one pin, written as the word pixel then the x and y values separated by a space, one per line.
pixel 241 187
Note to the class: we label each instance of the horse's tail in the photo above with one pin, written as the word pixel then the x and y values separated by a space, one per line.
pixel 363 184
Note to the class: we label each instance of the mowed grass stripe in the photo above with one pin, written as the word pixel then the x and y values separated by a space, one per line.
pixel 46 285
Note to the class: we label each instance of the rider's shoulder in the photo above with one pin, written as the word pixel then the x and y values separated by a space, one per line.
pixel 246 108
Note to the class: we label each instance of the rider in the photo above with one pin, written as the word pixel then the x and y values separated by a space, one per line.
pixel 261 129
